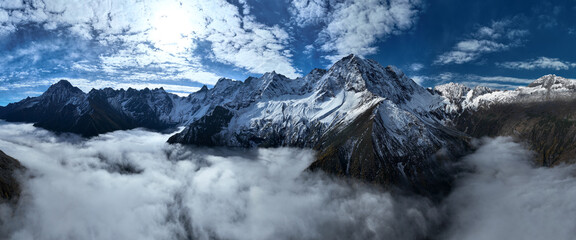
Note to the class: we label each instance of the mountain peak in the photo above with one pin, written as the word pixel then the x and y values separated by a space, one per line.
pixel 548 80
pixel 349 57
pixel 223 81
pixel 63 83
pixel 316 71
pixel 349 60
pixel 62 87
pixel 452 90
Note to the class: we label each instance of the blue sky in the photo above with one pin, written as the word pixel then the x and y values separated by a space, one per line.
pixel 182 45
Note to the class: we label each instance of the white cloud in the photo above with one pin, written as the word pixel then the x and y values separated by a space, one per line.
pixel 539 63
pixel 245 43
pixel 27 84
pixel 493 85
pixel 164 34
pixel 500 36
pixel 355 26
pixel 447 76
pixel 472 80
pixel 419 79
pixel 416 67
pixel 501 79
pixel 132 185
pixel 306 12
pixel 507 197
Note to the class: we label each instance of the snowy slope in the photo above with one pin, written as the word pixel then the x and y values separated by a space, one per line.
pixel 458 97
pixel 365 120
pixel 541 115
pixel 287 108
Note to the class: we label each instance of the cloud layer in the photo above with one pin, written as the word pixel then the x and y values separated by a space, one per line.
pixel 499 36
pixel 131 185
pixel 508 198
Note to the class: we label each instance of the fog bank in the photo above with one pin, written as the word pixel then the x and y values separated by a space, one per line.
pixel 507 197
pixel 132 185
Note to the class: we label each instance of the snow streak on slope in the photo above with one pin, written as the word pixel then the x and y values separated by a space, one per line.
pixel 458 97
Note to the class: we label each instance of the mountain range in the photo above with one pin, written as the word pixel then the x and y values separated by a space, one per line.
pixel 364 120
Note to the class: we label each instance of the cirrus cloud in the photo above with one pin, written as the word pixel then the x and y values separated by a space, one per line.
pixel 539 63
pixel 499 36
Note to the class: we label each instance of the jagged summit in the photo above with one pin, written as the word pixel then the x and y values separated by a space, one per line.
pixel 549 87
pixel 317 71
pixel 357 74
pixel 550 80
pixel 63 83
pixel 62 87
pixel 365 120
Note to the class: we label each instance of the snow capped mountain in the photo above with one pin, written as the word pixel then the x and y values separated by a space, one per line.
pixel 365 120
pixel 62 93
pixel 458 97
pixel 540 114
pixel 64 108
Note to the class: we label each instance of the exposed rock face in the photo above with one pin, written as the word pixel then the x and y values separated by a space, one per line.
pixel 549 128
pixel 9 186
pixel 64 108
pixel 366 121
pixel 543 115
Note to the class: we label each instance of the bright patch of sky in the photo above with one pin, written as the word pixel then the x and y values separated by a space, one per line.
pixel 183 45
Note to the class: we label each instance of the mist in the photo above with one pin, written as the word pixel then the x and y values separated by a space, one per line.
pixel 132 185
pixel 507 197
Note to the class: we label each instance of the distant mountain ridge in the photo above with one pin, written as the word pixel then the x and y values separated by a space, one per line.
pixel 542 114
pixel 366 121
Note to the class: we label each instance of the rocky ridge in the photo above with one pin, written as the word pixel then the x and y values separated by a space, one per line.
pixel 365 120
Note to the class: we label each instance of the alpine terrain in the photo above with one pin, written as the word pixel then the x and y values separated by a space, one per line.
pixel 542 115
pixel 364 120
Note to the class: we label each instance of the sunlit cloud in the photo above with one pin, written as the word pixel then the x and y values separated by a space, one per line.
pixel 355 27
pixel 137 38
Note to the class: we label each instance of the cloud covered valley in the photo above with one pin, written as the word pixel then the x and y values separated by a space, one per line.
pixel 132 185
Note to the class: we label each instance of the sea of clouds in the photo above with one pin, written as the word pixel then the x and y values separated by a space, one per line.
pixel 132 185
